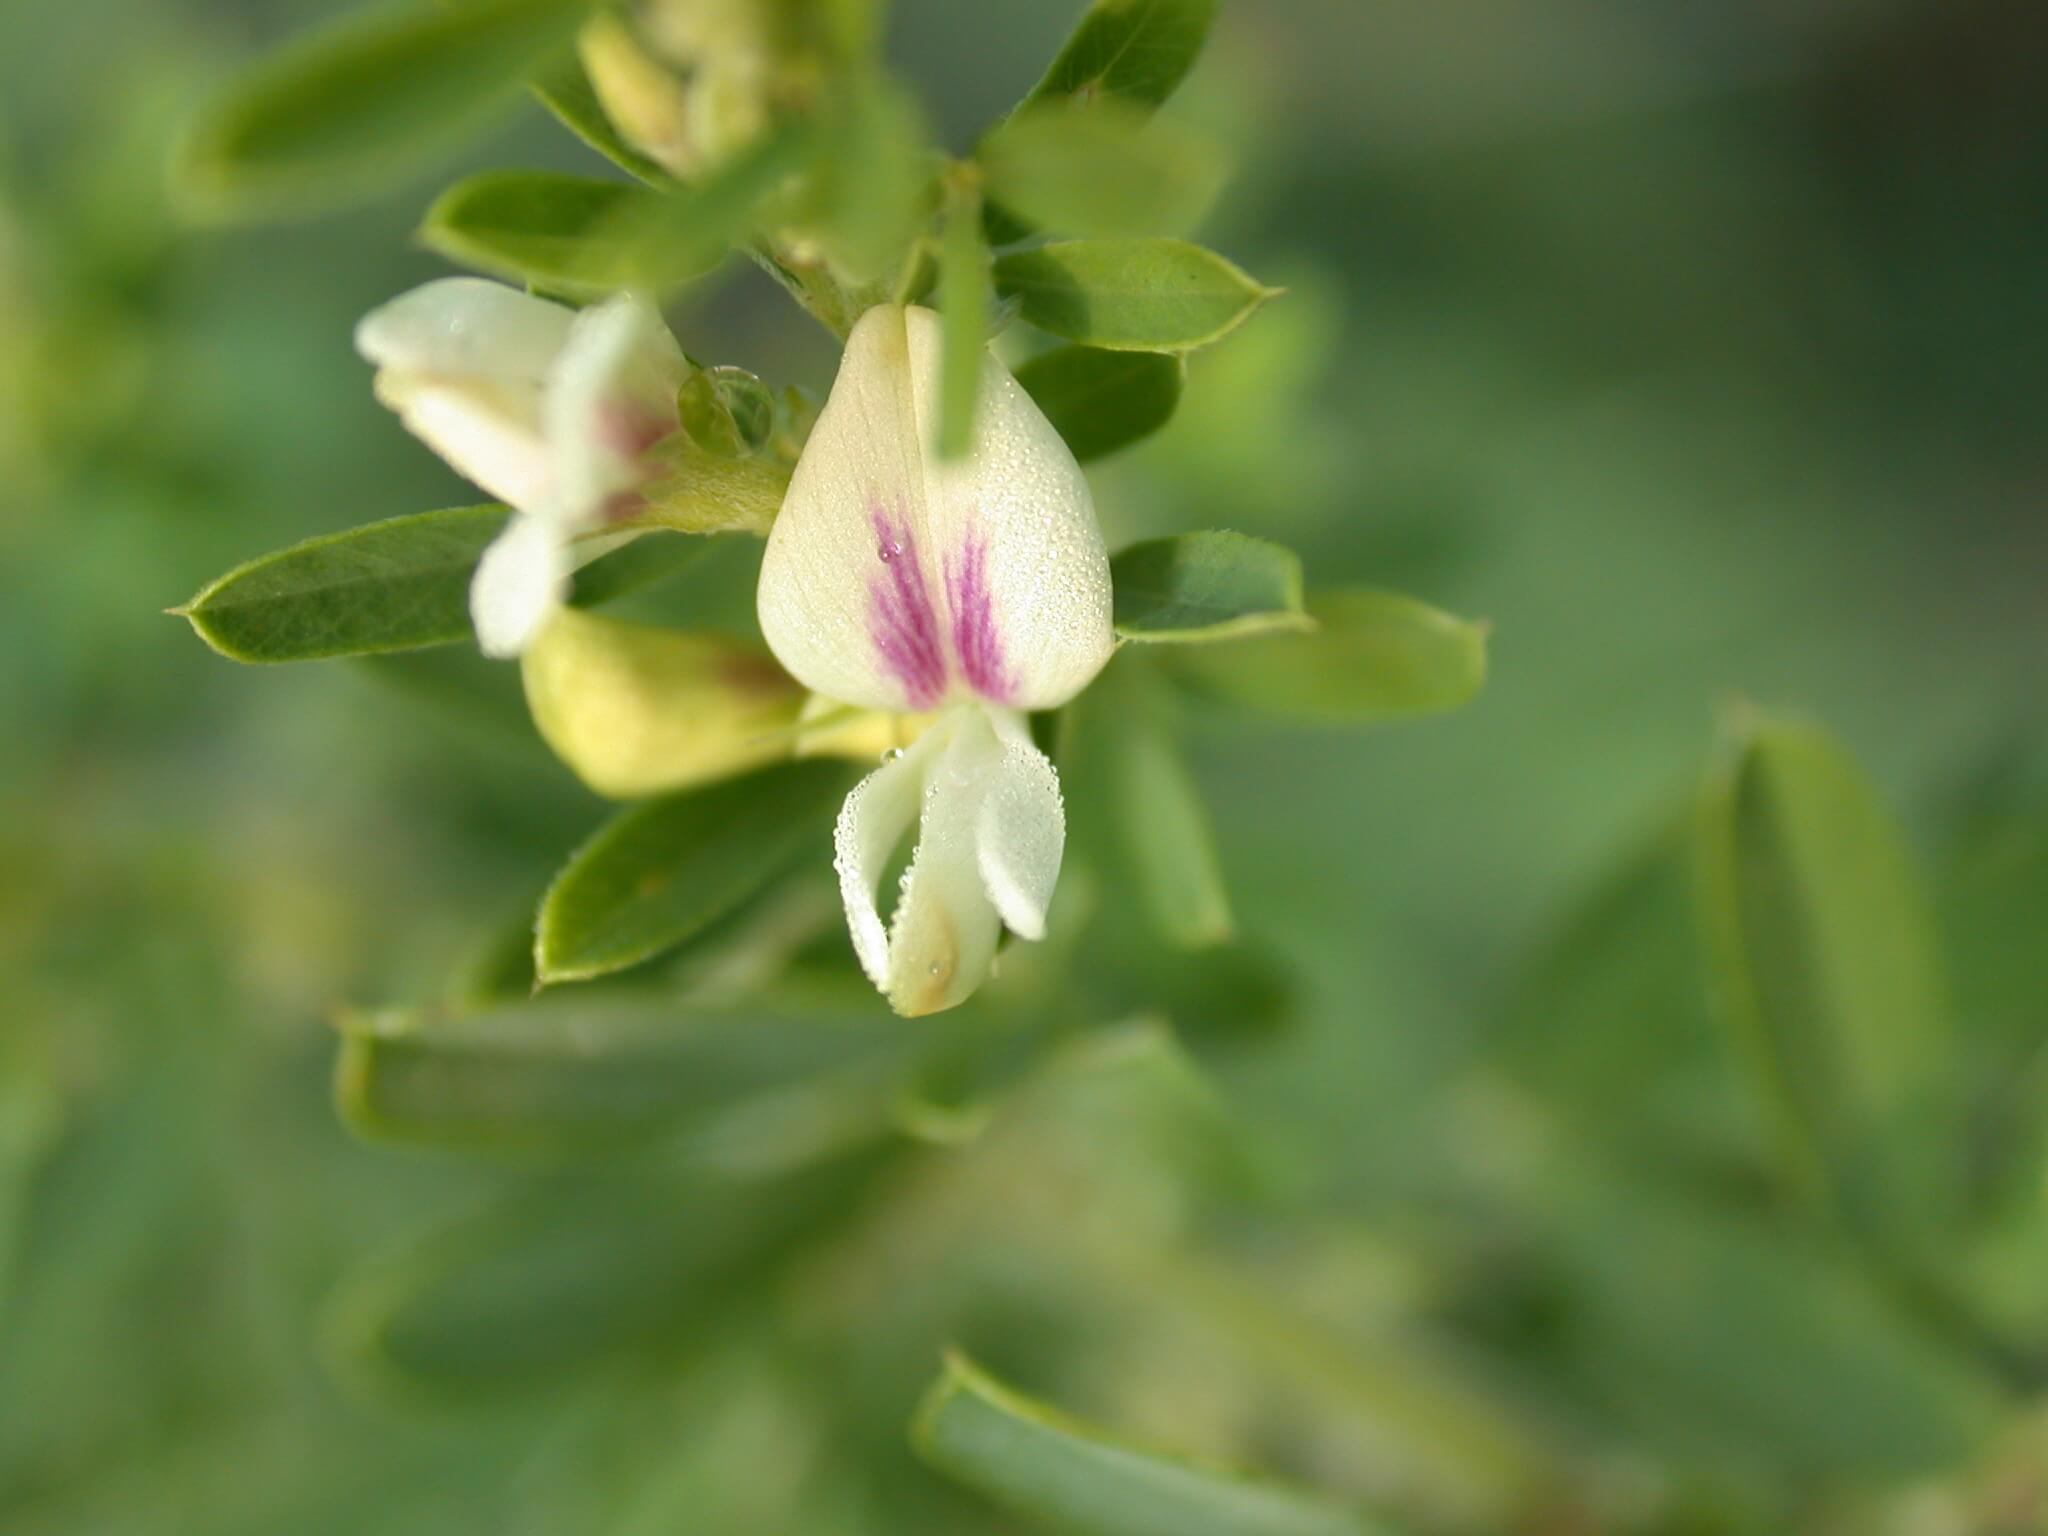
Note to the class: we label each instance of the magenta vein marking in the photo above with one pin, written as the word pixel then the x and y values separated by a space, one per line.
pixel 976 640
pixel 901 624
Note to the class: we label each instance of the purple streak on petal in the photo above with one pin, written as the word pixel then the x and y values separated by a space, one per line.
pixel 976 639
pixel 901 623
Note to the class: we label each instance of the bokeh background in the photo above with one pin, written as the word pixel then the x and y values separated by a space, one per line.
pixel 1699 348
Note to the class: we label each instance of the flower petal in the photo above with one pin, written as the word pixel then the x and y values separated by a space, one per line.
pixel 1021 831
pixel 942 939
pixel 521 579
pixel 489 434
pixel 877 812
pixel 466 327
pixel 1012 527
pixel 611 396
pixel 897 582
pixel 849 613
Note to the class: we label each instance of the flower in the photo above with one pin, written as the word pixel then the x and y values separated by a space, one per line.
pixel 549 409
pixel 977 589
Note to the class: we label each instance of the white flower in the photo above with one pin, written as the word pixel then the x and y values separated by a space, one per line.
pixel 549 409
pixel 976 588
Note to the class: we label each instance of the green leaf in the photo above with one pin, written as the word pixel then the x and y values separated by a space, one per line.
pixel 398 585
pixel 1214 585
pixel 1102 401
pixel 868 196
pixel 1825 955
pixel 573 1276
pixel 1130 295
pixel 554 231
pixel 348 110
pixel 1166 834
pixel 571 1074
pixel 1137 50
pixel 1034 1459
pixel 1722 1338
pixel 668 240
pixel 565 90
pixel 390 586
pixel 633 566
pixel 656 874
pixel 963 307
pixel 1101 170
pixel 1371 656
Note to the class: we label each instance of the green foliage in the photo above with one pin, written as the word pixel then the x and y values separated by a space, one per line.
pixel 869 193
pixel 565 90
pixel 1033 1458
pixel 674 239
pixel 581 1274
pixel 1102 401
pixel 660 872
pixel 1826 959
pixel 1100 170
pixel 389 586
pixel 574 1076
pixel 963 307
pixel 1135 50
pixel 1166 837
pixel 1130 295
pixel 345 112
pixel 1369 656
pixel 397 585
pixel 558 233
pixel 1757 1346
pixel 1214 585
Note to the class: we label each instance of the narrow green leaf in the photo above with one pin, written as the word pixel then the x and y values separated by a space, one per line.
pixel 1130 295
pixel 1370 656
pixel 869 195
pixel 1166 833
pixel 633 566
pixel 398 585
pixel 1713 1336
pixel 658 873
pixel 1825 955
pixel 1135 52
pixel 554 231
pixel 389 586
pixel 668 240
pixel 1034 1459
pixel 1102 401
pixel 565 90
pixel 1101 170
pixel 1138 50
pixel 350 109
pixel 963 307
pixel 1214 585
pixel 570 1074
pixel 566 1278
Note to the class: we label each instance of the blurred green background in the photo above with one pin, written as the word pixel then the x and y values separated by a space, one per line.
pixel 1698 348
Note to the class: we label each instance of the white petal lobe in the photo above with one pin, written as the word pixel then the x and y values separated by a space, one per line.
pixel 466 326
pixel 877 812
pixel 611 395
pixel 521 579
pixel 1021 834
pixel 942 938
pixel 489 435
